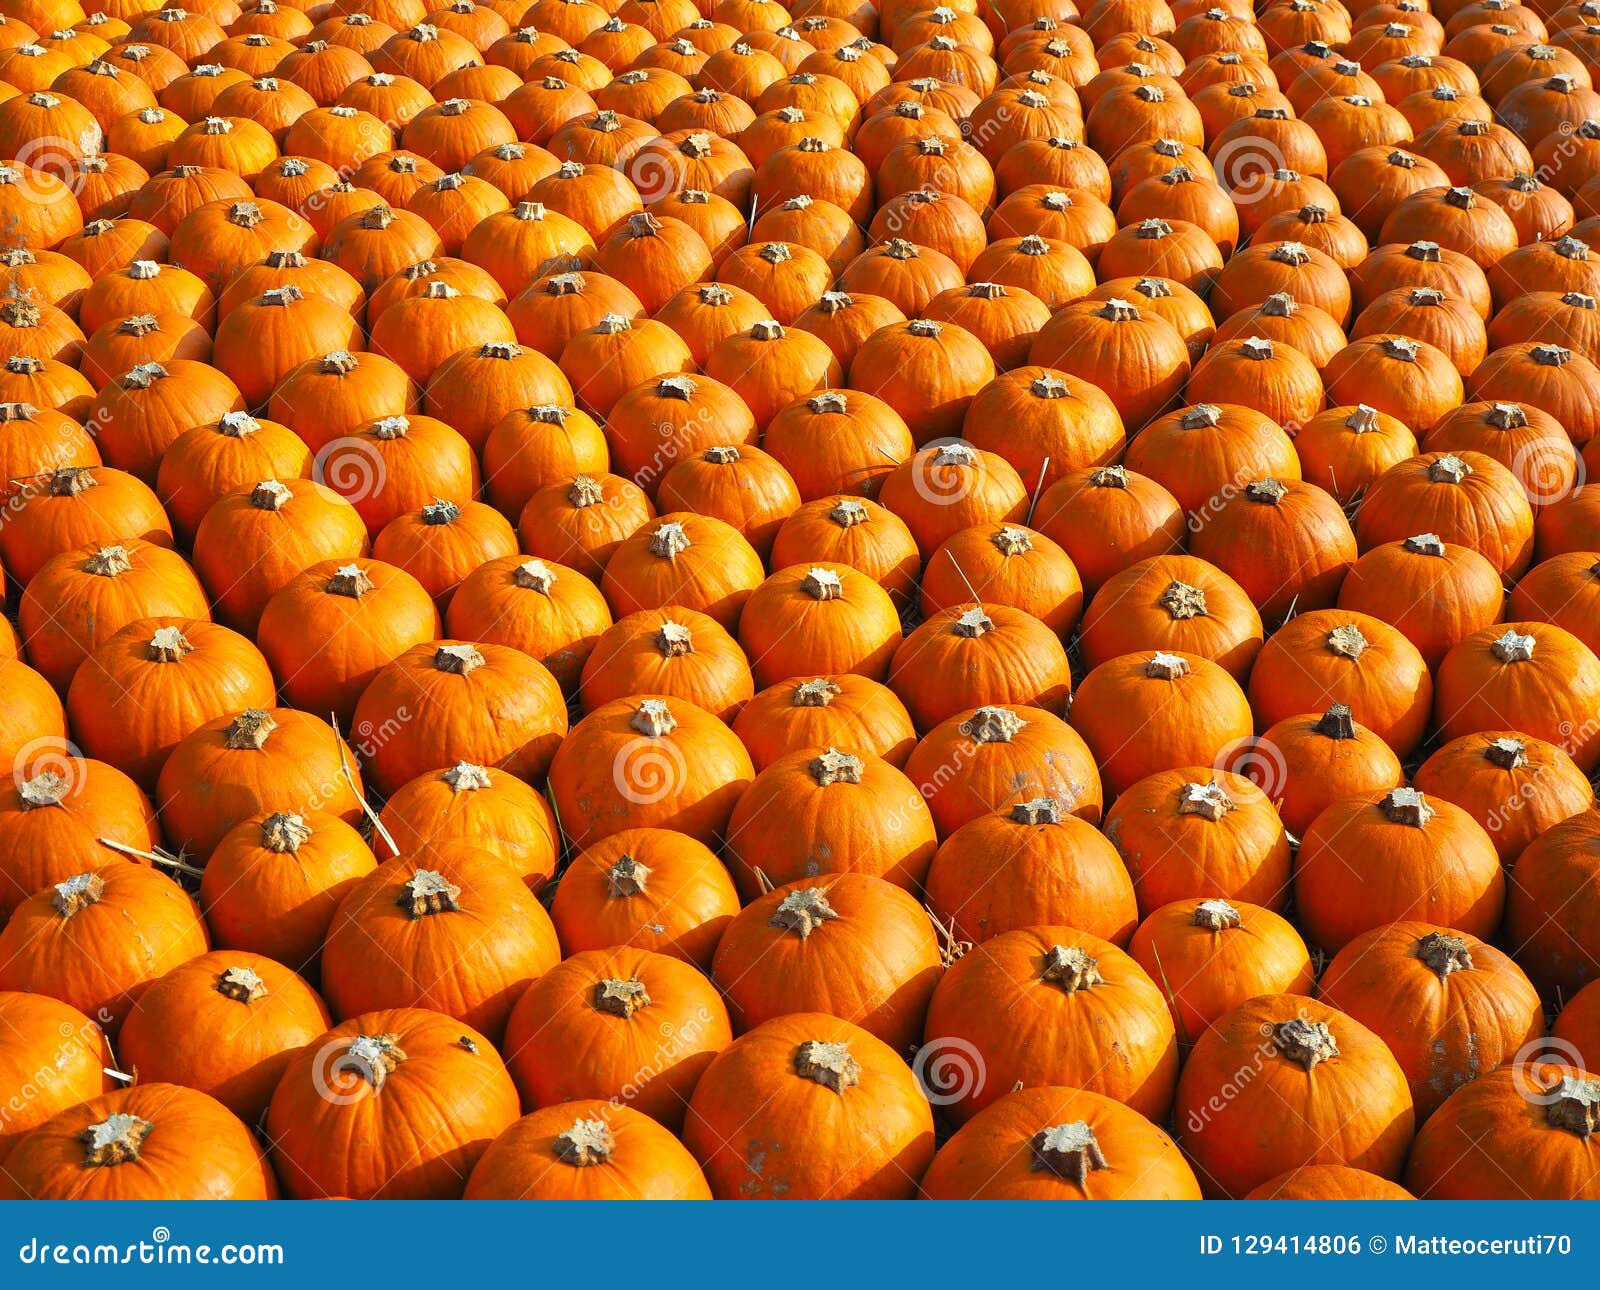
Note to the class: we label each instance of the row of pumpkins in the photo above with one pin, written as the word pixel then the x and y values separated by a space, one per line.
pixel 562 537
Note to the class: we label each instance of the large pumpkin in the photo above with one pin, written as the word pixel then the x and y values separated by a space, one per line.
pixel 1549 914
pixel 48 1035
pixel 342 1119
pixel 1323 1091
pixel 809 1081
pixel 1055 1006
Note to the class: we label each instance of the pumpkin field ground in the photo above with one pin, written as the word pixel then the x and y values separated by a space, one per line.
pixel 747 599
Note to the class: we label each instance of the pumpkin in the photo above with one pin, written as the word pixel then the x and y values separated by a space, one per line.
pixel 949 486
pixel 1547 695
pixel 1188 709
pixel 1448 1006
pixel 1307 762
pixel 333 626
pixel 1212 956
pixel 456 931
pixel 1336 656
pixel 79 598
pixel 784 278
pixel 153 682
pixel 1568 525
pixel 1176 603
pixel 647 762
pixel 1547 376
pixel 1354 1111
pixel 477 387
pixel 819 225
pixel 1046 426
pixel 802 948
pixel 1436 861
pixel 47 1035
pixel 704 313
pixel 138 1144
pixel 1328 1182
pixel 908 276
pixel 1202 453
pixel 328 397
pixel 1560 591
pixel 1345 449
pixel 661 422
pixel 1107 518
pixel 1014 565
pixel 1140 360
pixel 235 766
pixel 586 1150
pixel 615 355
pixel 1282 319
pixel 1436 593
pixel 1413 381
pixel 1547 917
pixel 846 814
pixel 820 1072
pixel 674 652
pixel 213 458
pixel 48 383
pixel 111 349
pixel 655 889
pixel 443 542
pixel 1034 865
pixel 558 624
pixel 95 939
pixel 75 506
pixel 837 441
pixel 830 618
pixel 1058 1144
pixel 1575 1024
pixel 54 815
pixel 1519 1131
pixel 963 658
pixel 353 1144
pixel 227 1024
pixel 933 220
pixel 741 485
pixel 540 446
pixel 1041 1006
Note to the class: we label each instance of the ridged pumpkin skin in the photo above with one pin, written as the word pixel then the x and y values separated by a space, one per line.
pixel 46 1034
pixel 1031 1145
pixel 1323 1090
pixel 625 1024
pixel 1506 1136
pixel 94 940
pixel 1051 1006
pixel 450 928
pixel 1328 1182
pixel 1548 916
pixel 842 813
pixel 152 1158
pixel 586 1150
pixel 851 945
pixel 1449 1007
pixel 361 1142
pixel 813 1084
pixel 825 711
pixel 274 881
pixel 1306 763
pixel 225 1023
pixel 1203 833
pixel 1211 956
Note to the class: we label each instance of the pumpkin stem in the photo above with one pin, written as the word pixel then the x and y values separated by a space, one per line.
pixel 466 777
pixel 116 1140
pixel 373 1057
pixel 249 730
pixel 676 387
pixel 270 495
pixel 1109 477
pixel 654 719
pixel 847 512
pixel 1011 540
pixel 1067 1150
pixel 108 562
pixel 1424 544
pixel 1513 647
pixel 1071 968
pixel 1182 601
pixel 1575 1106
pixel 992 725
pixel 1337 723
pixel 818 692
pixel 237 425
pixel 439 512
pixel 1507 753
pixel 77 893
pixel 620 998
pixel 428 891
pixel 1215 915
pixel 1202 416
pixel 1039 810
pixel 1444 953
pixel 830 1065
pixel 628 877
pixel 460 660
pixel 284 833
pixel 802 912
pixel 350 580
pixel 47 788
pixel 834 767
pixel 669 541
pixel 1347 641
pixel 241 984
pixel 973 623
pixel 1304 1042
pixel 1407 806
pixel 1166 667
pixel 674 640
pixel 822 584
pixel 1209 801
pixel 586 1143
